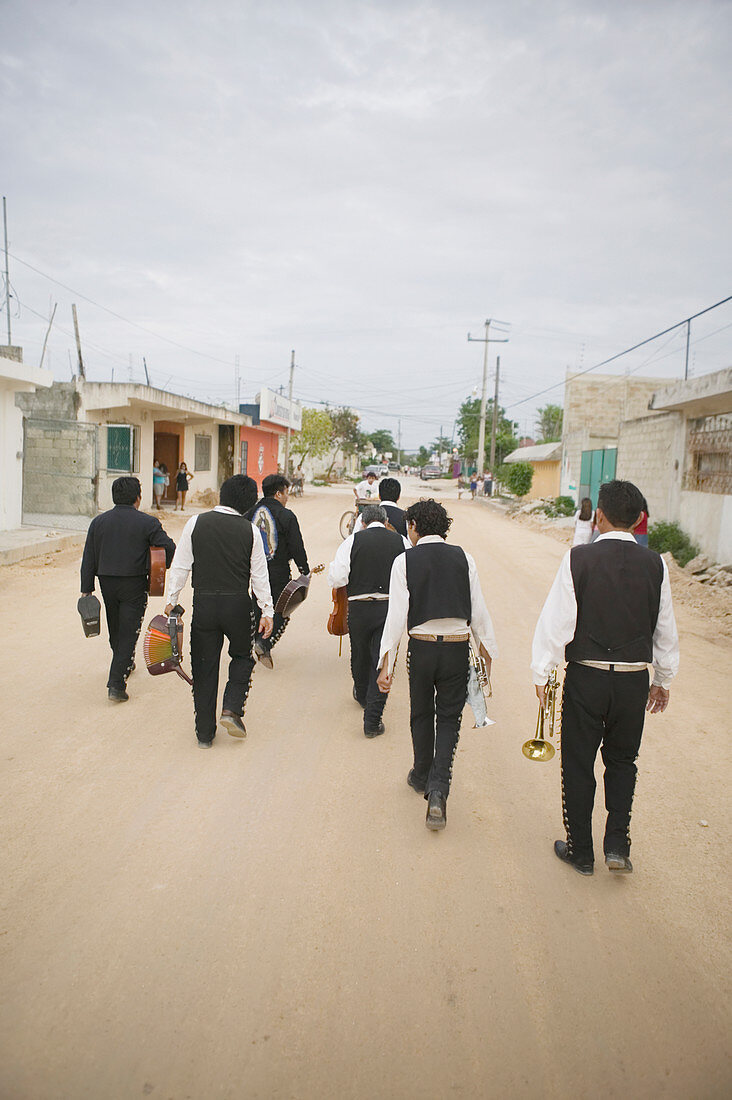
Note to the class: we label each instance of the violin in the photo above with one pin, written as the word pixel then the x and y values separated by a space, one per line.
pixel 338 618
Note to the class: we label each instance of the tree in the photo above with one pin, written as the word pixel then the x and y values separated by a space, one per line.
pixel 549 423
pixel 382 441
pixel 313 440
pixel 517 477
pixel 468 427
pixel 345 434
pixel 423 456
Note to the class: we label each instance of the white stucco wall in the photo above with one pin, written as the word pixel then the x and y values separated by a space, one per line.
pixel 707 520
pixel 15 377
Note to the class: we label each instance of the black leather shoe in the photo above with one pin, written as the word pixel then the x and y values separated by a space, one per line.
pixel 232 723
pixel 117 695
pixel 374 731
pixel 415 782
pixel 619 864
pixel 584 866
pixel 436 811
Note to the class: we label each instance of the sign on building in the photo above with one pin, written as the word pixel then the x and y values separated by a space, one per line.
pixel 278 409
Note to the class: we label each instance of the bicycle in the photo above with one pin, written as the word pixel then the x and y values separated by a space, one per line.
pixel 346 524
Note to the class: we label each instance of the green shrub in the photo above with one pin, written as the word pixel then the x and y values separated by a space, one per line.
pixel 564 506
pixel 517 477
pixel 669 536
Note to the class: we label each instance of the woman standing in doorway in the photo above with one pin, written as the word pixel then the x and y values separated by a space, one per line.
pixel 182 480
pixel 158 484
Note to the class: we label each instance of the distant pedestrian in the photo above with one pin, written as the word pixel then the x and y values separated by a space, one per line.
pixel 473 486
pixel 583 523
pixel 487 484
pixel 641 529
pixel 158 484
pixel 182 480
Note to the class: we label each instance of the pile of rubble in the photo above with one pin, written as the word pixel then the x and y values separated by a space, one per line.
pixel 709 572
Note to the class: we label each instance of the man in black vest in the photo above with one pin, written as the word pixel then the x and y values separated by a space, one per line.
pixel 363 563
pixel 117 550
pixel 225 552
pixel 282 542
pixel 610 615
pixel 435 593
pixel 389 492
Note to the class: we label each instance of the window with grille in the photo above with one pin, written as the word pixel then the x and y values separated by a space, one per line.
pixel 709 455
pixel 202 455
pixel 120 448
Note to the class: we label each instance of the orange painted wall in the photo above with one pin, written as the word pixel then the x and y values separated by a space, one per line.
pixel 263 442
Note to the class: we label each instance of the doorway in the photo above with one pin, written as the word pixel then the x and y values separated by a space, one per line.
pixel 167 451
pixel 226 452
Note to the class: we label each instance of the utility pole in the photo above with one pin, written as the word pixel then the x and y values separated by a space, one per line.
pixel 147 376
pixel 686 365
pixel 7 276
pixel 45 340
pixel 495 418
pixel 237 382
pixel 289 415
pixel 480 460
pixel 399 442
pixel 82 372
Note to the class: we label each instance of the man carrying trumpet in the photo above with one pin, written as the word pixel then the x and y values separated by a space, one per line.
pixel 609 615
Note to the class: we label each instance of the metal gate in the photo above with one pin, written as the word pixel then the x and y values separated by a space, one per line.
pixel 59 472
pixel 597 468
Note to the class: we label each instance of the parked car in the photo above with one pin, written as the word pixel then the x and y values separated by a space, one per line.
pixel 430 471
pixel 394 467
pixel 383 470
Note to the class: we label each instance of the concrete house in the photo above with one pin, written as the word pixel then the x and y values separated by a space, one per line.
pixel 680 454
pixel 16 377
pixel 79 436
pixel 546 460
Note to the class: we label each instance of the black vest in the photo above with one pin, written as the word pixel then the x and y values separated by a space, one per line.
pixel 222 554
pixel 618 588
pixel 438 580
pixel 396 516
pixel 372 555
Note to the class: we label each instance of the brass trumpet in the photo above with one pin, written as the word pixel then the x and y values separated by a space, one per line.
pixel 549 715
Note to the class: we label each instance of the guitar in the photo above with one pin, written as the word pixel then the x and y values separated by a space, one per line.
pixel 156 574
pixel 294 592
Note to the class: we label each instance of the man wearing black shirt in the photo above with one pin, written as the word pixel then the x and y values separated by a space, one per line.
pixel 117 550
pixel 282 540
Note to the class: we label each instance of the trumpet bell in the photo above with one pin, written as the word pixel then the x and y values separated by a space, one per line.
pixel 538 749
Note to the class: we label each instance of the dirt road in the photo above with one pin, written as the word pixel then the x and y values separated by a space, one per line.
pixel 271 919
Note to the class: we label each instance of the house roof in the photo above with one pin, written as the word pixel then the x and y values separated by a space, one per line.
pixel 541 452
pixel 706 395
pixel 166 405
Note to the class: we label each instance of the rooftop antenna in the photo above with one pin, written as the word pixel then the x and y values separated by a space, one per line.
pixel 7 276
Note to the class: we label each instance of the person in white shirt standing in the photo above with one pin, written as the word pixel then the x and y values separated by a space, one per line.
pixel 434 593
pixel 583 523
pixel 225 552
pixel 609 614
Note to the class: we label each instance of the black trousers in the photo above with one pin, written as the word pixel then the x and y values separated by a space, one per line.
pixel 125 600
pixel 279 622
pixel 214 618
pixel 365 626
pixel 438 688
pixel 604 710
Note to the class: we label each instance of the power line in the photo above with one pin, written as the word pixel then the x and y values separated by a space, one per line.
pixel 126 320
pixel 627 351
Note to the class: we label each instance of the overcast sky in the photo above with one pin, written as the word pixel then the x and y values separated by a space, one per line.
pixel 366 183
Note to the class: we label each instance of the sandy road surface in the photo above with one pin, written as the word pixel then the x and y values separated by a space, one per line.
pixel 272 919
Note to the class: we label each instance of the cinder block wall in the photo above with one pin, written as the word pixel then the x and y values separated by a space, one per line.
pixel 651 455
pixel 59 467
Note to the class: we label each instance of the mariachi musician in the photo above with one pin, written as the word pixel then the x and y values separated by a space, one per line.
pixel 434 592
pixel 117 551
pixel 389 492
pixel 609 614
pixel 225 552
pixel 363 564
pixel 283 543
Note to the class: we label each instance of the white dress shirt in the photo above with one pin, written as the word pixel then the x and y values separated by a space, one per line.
pixel 558 622
pixel 182 564
pixel 339 570
pixel 481 624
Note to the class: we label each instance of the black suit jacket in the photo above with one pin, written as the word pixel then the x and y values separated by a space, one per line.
pixel 118 544
pixel 289 543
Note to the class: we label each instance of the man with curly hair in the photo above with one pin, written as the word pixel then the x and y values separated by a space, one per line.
pixel 434 593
